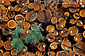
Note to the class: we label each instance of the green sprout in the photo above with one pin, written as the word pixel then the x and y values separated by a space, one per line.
pixel 17 42
pixel 35 35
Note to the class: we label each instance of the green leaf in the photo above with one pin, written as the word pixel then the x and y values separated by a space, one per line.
pixel 18 44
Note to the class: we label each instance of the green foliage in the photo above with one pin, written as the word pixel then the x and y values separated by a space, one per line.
pixel 18 31
pixel 35 35
pixel 17 42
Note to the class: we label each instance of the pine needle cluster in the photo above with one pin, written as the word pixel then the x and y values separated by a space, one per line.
pixel 17 42
pixel 32 38
pixel 35 35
